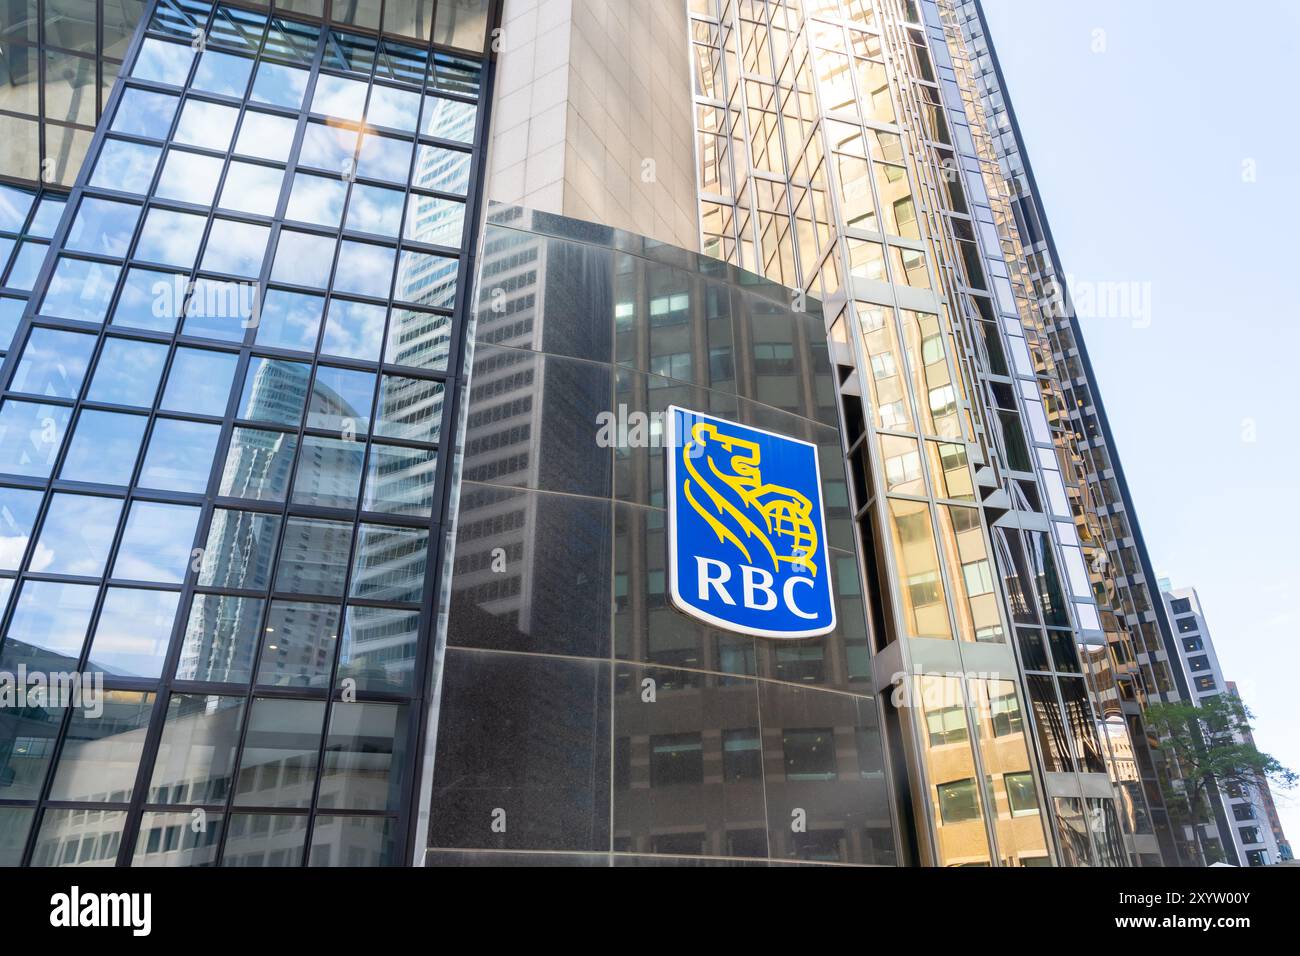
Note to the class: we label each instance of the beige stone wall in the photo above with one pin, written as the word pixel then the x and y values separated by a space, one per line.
pixel 592 117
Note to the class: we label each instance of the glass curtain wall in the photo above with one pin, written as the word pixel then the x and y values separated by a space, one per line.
pixel 874 168
pixel 220 447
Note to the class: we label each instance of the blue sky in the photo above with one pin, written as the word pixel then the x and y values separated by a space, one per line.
pixel 1143 151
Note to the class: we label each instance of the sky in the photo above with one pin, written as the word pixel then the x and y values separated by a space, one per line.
pixel 1164 141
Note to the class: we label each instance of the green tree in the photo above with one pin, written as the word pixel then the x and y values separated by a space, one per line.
pixel 1213 746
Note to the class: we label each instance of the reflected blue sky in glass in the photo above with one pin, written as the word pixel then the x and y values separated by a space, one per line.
pixel 353 330
pixel 133 630
pixel 30 435
pixel 145 113
pixel 156 543
pixel 290 320
pixel 180 456
pixel 128 372
pixel 104 448
pixel 127 167
pixel 150 300
pixel 53 363
pixel 76 535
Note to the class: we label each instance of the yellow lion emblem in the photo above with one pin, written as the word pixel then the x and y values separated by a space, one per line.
pixel 731 496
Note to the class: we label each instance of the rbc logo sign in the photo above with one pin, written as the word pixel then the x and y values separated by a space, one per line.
pixel 746 533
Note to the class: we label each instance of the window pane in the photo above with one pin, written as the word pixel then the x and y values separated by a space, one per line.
pixel 150 300
pixel 27 738
pixel 219 309
pixel 314 557
pixel 400 480
pixel 435 222
pixel 379 648
pixel 180 456
pixel 364 757
pixel 170 238
pixel 364 269
pixel 76 535
pixel 252 187
pixel 17 517
pixel 317 200
pixel 257 464
pixel 442 170
pixel 290 320
pixel 209 125
pixel 127 372
pixel 329 472
pixel 240 550
pixel 222 73
pixel 281 752
pixel 60 841
pixel 353 329
pixel 303 259
pixel 385 158
pixel 279 85
pixel 264 839
pixel 220 639
pixel 328 147
pixel 375 209
pixel 265 136
pixel 409 409
pixel 196 755
pixel 298 644
pixel 199 382
pixel 171 839
pixel 427 279
pixel 156 544
pixel 48 625
pixel 448 119
pixel 390 564
pixel 53 363
pixel 104 448
pixel 15 204
pixel 80 290
pixel 338 840
pixel 48 212
pixel 145 113
pixel 340 401
pixel 134 629
pixel 127 167
pixel 26 265
pixel 418 339
pixel 163 62
pixel 398 109
pixel 336 96
pixel 236 248
pixel 189 177
pixel 102 753
pixel 275 390
pixel 30 435
pixel 102 227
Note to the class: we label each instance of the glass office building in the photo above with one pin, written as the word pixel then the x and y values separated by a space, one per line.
pixel 310 313
pixel 230 355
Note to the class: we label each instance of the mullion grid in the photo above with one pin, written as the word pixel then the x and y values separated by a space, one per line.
pixel 162 688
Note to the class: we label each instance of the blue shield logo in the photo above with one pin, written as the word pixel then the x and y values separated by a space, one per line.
pixel 746 532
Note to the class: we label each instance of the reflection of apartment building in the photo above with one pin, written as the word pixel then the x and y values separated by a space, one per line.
pixel 1246 828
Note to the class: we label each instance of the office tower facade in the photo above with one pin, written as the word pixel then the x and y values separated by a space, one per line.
pixel 400 598
pixel 1246 827
pixel 233 359
pixel 582 718
pixel 1123 575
